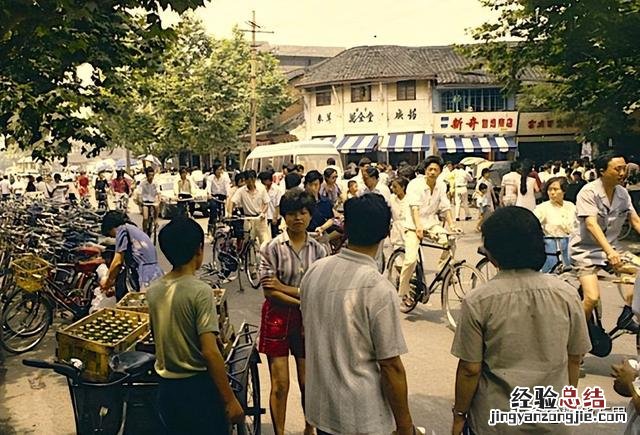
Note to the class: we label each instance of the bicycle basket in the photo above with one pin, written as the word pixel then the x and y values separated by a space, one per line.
pixel 30 272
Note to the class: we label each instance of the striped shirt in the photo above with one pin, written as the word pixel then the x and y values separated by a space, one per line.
pixel 351 321
pixel 279 259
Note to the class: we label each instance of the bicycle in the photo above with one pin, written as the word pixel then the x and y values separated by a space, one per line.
pixel 184 205
pixel 103 204
pixel 122 202
pixel 454 278
pixel 227 255
pixel 151 227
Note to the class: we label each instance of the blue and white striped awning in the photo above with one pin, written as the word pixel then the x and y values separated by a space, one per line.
pixel 485 144
pixel 406 142
pixel 357 144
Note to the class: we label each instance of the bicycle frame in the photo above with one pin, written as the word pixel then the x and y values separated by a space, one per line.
pixel 440 275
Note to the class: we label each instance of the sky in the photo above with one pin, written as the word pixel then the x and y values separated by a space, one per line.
pixel 349 23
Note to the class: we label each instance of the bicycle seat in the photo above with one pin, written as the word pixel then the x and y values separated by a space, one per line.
pixel 132 362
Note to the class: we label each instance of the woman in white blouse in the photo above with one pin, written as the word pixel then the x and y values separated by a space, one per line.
pixel 559 220
pixel 399 207
pixel 528 187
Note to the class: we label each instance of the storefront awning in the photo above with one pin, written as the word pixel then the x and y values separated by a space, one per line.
pixel 357 144
pixel 406 142
pixel 485 144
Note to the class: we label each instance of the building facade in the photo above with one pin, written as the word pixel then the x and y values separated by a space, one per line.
pixel 402 103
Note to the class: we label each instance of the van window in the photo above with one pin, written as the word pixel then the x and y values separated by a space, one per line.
pixel 316 161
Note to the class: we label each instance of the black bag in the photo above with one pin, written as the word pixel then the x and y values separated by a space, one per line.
pixel 128 279
pixel 601 343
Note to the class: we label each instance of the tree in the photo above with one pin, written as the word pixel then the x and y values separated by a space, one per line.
pixel 588 50
pixel 42 44
pixel 198 99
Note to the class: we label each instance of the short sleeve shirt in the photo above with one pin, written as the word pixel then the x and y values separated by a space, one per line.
pixel 430 203
pixel 511 184
pixel 556 220
pixel 148 191
pixel 181 310
pixel 343 393
pixel 522 326
pixel 593 201
pixel 252 202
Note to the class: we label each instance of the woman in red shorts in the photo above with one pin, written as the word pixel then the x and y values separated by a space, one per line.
pixel 283 263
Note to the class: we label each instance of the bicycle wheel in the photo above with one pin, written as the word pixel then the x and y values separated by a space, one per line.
pixel 250 400
pixel 394 267
pixel 251 264
pixel 487 271
pixel 458 282
pixel 25 321
pixel 626 230
pixel 217 246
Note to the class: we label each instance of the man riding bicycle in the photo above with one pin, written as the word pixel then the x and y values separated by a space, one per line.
pixel 427 198
pixel 149 196
pixel 603 207
pixel 120 186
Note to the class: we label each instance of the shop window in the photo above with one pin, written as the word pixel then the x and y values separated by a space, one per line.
pixel 323 96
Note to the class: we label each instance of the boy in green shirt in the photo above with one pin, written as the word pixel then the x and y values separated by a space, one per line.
pixel 194 393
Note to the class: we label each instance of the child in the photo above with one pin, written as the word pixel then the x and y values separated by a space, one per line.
pixel 352 189
pixel 482 201
pixel 194 395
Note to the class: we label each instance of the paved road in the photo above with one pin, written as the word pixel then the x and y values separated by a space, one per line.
pixel 36 402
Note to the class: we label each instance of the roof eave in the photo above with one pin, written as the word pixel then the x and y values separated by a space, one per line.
pixel 315 84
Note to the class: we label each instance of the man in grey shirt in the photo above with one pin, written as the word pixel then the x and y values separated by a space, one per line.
pixel 355 380
pixel 521 329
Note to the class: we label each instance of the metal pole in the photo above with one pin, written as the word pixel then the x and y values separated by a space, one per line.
pixel 253 81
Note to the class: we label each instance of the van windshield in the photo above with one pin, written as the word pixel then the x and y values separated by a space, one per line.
pixel 317 161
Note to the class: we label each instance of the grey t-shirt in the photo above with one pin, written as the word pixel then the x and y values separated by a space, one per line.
pixel 351 321
pixel 522 326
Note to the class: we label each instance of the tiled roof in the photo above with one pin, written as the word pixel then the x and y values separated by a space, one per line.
pixel 381 62
pixel 299 50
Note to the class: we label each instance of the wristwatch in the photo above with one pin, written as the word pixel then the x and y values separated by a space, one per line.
pixel 458 413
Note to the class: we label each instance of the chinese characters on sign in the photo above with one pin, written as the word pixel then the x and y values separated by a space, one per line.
pixel 546 123
pixel 474 123
pixel 411 115
pixel 326 118
pixel 568 407
pixel 543 123
pixel 358 116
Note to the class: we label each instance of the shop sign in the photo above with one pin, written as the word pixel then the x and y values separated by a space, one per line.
pixel 475 122
pixel 543 124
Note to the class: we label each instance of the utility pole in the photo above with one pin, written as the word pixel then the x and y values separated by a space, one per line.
pixel 254 67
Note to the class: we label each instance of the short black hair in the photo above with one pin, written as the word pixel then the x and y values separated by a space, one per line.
pixel 402 181
pixel 601 162
pixel 515 165
pixel 291 180
pixel 312 176
pixel 57 177
pixel 352 182
pixel 484 171
pixel 238 178
pixel 408 172
pixel 331 161
pixel 215 167
pixel 300 168
pixel 249 174
pixel 328 173
pixel 482 186
pixel 364 161
pixel 296 199
pixel 561 180
pixel 265 176
pixel 112 219
pixel 514 238
pixel 38 179
pixel 433 159
pixel 148 170
pixel 372 172
pixel 180 239
pixel 367 219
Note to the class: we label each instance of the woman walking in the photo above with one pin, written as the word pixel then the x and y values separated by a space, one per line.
pixel 528 187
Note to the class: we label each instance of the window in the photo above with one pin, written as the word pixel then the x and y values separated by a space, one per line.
pixel 406 90
pixel 323 96
pixel 360 92
pixel 473 100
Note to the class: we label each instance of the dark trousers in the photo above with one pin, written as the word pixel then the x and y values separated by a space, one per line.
pixel 191 406
pixel 216 209
pixel 275 228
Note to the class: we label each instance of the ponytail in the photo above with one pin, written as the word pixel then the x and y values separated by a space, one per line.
pixel 523 183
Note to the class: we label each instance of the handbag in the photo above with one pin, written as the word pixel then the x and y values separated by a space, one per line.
pixel 128 278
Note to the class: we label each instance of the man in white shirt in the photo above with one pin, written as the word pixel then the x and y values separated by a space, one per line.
pixel 5 188
pixel 254 202
pixel 363 164
pixel 461 194
pixel 218 188
pixel 275 194
pixel 372 184
pixel 546 173
pixel 509 186
pixel 427 199
pixel 148 196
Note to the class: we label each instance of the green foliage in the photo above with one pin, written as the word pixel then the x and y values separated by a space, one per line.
pixel 41 45
pixel 200 98
pixel 588 49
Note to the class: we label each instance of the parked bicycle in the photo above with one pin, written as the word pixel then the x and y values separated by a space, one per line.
pixel 122 202
pixel 453 279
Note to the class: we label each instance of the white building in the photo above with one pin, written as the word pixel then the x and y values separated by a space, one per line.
pixel 401 103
